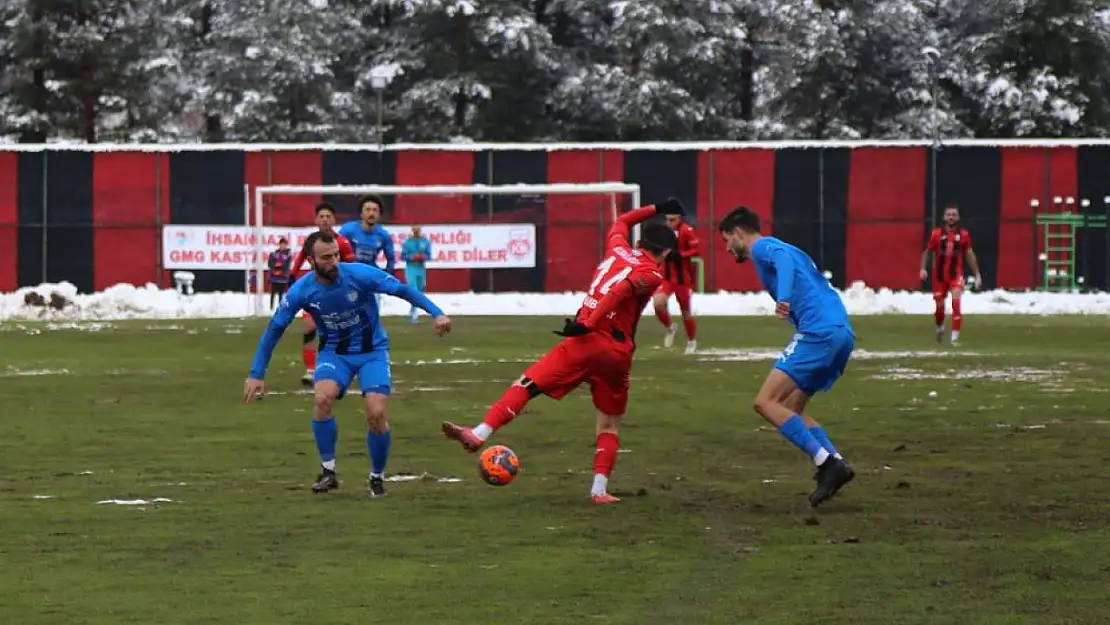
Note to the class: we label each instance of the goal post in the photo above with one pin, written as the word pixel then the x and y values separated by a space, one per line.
pixel 255 216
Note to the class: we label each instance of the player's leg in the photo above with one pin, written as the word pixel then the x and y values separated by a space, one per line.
pixel 659 301
pixel 940 294
pixel 556 374
pixel 410 279
pixel 308 349
pixel 374 381
pixel 605 456
pixel 683 294
pixel 609 391
pixel 807 365
pixel 957 291
pixel 797 402
pixel 332 378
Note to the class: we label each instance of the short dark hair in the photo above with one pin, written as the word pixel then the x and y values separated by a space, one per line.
pixel 371 197
pixel 741 217
pixel 656 237
pixel 282 240
pixel 325 206
pixel 310 243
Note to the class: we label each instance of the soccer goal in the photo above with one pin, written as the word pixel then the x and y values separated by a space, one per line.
pixel 471 227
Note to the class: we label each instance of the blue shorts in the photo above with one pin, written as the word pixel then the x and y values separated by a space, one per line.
pixel 372 369
pixel 816 361
pixel 416 276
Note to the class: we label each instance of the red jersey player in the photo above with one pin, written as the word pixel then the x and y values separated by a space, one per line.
pixel 677 281
pixel 949 243
pixel 598 344
pixel 325 221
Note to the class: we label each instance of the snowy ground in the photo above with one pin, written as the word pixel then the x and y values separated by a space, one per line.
pixel 130 302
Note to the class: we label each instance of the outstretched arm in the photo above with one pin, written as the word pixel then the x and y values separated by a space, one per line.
pixel 618 234
pixel 284 316
pixel 383 282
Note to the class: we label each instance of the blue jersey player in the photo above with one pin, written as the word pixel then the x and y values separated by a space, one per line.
pixel 340 297
pixel 368 236
pixel 818 353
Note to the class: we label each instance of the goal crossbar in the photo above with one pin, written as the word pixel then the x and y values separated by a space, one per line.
pixel 559 188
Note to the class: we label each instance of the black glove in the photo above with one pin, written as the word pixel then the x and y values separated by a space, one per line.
pixel 572 328
pixel 671 207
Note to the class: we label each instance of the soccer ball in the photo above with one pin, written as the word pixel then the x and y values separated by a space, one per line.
pixel 498 465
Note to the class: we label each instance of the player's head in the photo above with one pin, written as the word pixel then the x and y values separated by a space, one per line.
pixel 674 221
pixel 325 216
pixel 283 244
pixel 370 208
pixel 416 231
pixel 321 248
pixel 657 239
pixel 951 215
pixel 740 229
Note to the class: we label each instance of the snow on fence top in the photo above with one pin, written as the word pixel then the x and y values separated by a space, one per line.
pixel 62 302
pixel 476 147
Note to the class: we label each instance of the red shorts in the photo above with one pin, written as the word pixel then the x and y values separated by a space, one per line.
pixel 596 359
pixel 941 288
pixel 681 293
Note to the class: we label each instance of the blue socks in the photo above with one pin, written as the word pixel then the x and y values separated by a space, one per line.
pixel 326 433
pixel 378 447
pixel 795 431
pixel 818 432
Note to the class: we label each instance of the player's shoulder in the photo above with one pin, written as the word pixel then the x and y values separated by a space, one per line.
pixel 302 286
pixel 766 245
pixel 347 228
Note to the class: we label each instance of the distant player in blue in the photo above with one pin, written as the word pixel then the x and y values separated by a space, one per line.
pixel 818 353
pixel 368 236
pixel 415 251
pixel 340 298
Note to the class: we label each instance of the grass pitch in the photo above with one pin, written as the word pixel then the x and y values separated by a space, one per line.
pixel 980 495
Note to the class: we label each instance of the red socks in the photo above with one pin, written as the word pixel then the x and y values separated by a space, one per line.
pixel 938 314
pixel 308 354
pixel 957 318
pixel 664 317
pixel 605 456
pixel 507 408
pixel 691 328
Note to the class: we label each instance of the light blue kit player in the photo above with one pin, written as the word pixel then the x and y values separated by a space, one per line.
pixel 368 237
pixel 340 299
pixel 415 251
pixel 818 353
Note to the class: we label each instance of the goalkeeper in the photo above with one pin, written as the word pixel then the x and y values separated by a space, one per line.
pixel 415 251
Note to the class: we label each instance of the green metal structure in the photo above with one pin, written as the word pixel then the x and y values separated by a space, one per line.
pixel 1061 232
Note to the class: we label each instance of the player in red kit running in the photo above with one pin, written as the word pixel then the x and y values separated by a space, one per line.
pixel 325 221
pixel 677 280
pixel 598 344
pixel 949 243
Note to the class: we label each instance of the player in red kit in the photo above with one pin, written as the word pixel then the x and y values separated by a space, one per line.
pixel 949 244
pixel 325 221
pixel 598 344
pixel 677 280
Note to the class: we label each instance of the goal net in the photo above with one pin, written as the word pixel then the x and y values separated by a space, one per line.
pixel 484 238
